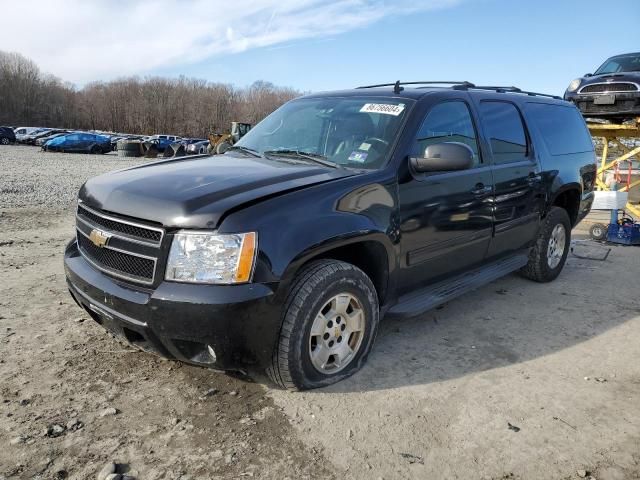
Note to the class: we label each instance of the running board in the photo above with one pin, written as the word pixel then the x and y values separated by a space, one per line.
pixel 416 303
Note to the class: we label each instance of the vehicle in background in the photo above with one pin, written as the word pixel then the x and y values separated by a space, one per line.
pixel 338 209
pixel 79 142
pixel 161 142
pixel 41 140
pixel 221 142
pixel 7 136
pixel 29 138
pixel 612 92
pixel 20 132
pixel 197 146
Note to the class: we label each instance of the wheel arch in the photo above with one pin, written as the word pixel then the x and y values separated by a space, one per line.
pixel 568 197
pixel 371 253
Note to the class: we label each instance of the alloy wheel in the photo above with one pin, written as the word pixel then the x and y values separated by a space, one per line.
pixel 555 249
pixel 337 333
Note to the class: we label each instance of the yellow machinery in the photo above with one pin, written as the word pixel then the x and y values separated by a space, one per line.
pixel 221 142
pixel 611 136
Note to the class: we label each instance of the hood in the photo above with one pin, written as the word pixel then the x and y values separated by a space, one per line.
pixel 633 77
pixel 197 192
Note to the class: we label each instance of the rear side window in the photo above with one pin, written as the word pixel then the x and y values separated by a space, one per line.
pixel 447 122
pixel 562 128
pixel 503 126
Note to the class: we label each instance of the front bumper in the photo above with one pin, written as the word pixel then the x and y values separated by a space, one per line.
pixel 626 105
pixel 240 323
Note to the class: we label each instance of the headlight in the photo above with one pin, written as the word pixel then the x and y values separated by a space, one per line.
pixel 573 86
pixel 206 257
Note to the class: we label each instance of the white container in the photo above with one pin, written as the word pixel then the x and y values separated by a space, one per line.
pixel 609 200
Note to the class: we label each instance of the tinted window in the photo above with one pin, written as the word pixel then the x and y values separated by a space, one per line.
pixel 73 138
pixel 447 122
pixel 562 128
pixel 503 126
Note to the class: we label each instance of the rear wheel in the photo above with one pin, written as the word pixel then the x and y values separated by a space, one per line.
pixel 4 141
pixel 96 150
pixel 330 322
pixel 549 254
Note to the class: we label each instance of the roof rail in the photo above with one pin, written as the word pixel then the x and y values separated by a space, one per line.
pixel 463 85
pixel 514 90
pixel 397 86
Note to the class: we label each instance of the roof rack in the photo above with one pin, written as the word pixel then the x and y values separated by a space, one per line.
pixel 464 85
pixel 514 90
pixel 397 86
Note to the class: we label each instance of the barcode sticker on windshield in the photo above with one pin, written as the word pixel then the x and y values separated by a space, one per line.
pixel 384 108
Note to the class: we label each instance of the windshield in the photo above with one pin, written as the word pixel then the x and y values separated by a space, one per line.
pixel 355 132
pixel 623 63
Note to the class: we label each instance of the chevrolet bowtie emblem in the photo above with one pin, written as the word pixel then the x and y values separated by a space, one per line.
pixel 99 238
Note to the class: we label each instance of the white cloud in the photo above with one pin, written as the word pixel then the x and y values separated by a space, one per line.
pixel 84 40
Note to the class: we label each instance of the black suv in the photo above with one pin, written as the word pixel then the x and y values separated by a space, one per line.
pixel 612 92
pixel 338 209
pixel 7 136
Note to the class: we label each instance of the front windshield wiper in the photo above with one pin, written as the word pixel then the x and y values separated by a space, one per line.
pixel 242 149
pixel 314 157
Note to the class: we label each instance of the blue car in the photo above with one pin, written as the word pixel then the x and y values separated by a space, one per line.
pixel 79 142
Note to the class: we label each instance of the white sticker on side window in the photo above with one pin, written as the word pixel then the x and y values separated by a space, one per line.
pixel 384 108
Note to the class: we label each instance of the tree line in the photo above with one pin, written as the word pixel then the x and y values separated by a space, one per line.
pixel 182 106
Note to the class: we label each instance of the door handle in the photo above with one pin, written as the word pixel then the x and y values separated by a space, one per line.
pixel 481 189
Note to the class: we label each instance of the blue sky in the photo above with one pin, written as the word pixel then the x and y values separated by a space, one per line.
pixel 316 45
pixel 537 45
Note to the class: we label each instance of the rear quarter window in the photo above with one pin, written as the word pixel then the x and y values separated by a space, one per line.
pixel 562 128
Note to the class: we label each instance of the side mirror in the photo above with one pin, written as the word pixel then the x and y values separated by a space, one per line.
pixel 588 75
pixel 443 157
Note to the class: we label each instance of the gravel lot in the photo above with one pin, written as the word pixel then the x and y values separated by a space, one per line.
pixel 35 178
pixel 515 381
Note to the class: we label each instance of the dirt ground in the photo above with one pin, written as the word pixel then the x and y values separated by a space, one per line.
pixel 515 381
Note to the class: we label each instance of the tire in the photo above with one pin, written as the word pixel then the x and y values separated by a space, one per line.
pixel 128 148
pixel 4 141
pixel 545 261
pixel 598 231
pixel 335 288
pixel 96 150
pixel 223 147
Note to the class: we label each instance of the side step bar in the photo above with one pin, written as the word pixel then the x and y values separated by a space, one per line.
pixel 416 303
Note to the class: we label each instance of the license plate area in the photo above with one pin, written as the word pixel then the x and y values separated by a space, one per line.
pixel 604 100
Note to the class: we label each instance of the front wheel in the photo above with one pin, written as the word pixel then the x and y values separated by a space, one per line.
pixel 4 141
pixel 330 322
pixel 549 254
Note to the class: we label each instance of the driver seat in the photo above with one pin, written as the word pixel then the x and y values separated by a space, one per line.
pixel 353 129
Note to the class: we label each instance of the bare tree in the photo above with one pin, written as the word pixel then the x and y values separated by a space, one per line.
pixel 182 106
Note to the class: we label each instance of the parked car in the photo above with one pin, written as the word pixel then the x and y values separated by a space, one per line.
pixel 198 146
pixel 7 136
pixel 612 92
pixel 42 139
pixel 163 141
pixel 20 132
pixel 30 138
pixel 79 142
pixel 336 210
pixel 33 138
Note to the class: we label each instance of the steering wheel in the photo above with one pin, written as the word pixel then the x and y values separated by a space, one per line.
pixel 377 139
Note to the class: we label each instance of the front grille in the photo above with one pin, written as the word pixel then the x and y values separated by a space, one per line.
pixel 117 262
pixel 132 230
pixel 609 88
pixel 590 107
pixel 131 251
